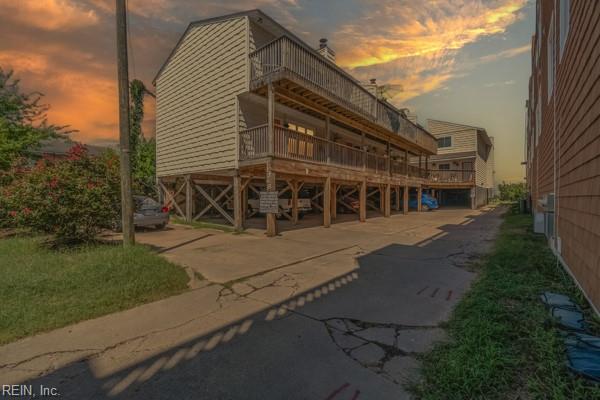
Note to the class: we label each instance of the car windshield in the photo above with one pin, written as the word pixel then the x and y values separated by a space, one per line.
pixel 145 203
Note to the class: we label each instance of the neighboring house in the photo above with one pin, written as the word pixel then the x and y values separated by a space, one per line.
pixel 563 136
pixel 462 172
pixel 244 106
pixel 59 148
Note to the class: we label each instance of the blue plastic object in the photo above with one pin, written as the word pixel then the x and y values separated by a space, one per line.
pixel 426 200
pixel 569 318
pixel 557 300
pixel 583 357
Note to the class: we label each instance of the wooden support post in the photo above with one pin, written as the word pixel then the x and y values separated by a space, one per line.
pixel 295 202
pixel 419 161
pixel 382 199
pixel 405 200
pixel 189 199
pixel 388 203
pixel 271 187
pixel 419 195
pixel 238 203
pixel 271 118
pixel 406 163
pixel 327 203
pixel 398 201
pixel 334 189
pixel 389 158
pixel 244 204
pixel 426 164
pixel 362 200
pixel 364 151
pixel 328 136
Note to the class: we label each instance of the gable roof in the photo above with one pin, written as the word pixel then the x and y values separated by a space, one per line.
pixel 255 14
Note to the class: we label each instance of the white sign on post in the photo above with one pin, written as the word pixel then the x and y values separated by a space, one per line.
pixel 268 202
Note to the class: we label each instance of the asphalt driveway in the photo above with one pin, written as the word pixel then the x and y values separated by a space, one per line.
pixel 338 313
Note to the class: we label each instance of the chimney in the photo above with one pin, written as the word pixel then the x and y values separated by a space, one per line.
pixel 371 86
pixel 325 50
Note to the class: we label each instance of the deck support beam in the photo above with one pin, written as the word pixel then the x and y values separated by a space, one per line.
pixel 388 201
pixel 362 200
pixel 327 202
pixel 405 200
pixel 334 190
pixel 294 186
pixel 271 118
pixel 189 199
pixel 419 195
pixel 271 187
pixel 398 198
pixel 238 218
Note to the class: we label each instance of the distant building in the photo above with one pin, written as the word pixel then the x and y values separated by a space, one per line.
pixel 563 136
pixel 462 172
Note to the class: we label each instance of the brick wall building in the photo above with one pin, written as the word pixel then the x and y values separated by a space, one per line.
pixel 563 135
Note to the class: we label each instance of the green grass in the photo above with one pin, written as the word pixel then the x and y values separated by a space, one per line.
pixel 43 289
pixel 204 225
pixel 501 345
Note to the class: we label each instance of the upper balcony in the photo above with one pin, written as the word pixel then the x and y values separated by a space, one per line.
pixel 284 58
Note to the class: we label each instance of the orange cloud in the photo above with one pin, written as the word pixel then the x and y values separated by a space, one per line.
pixel 415 43
pixel 50 15
pixel 507 53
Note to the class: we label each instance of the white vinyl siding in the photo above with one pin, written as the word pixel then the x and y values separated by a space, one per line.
pixel 463 138
pixel 196 99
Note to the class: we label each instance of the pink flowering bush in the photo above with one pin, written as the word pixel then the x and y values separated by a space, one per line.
pixel 72 198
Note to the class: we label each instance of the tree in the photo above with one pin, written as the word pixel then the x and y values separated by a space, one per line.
pixel 23 121
pixel 512 191
pixel 143 151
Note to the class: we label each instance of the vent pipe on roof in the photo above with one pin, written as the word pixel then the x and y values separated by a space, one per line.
pixel 325 50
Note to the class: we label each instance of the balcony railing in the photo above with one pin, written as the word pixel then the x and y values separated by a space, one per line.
pixel 323 77
pixel 289 144
pixel 452 176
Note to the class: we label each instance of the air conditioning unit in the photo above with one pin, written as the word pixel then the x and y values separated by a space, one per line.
pixel 550 202
pixel 549 224
pixel 539 222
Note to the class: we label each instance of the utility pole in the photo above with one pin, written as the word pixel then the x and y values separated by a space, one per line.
pixel 123 76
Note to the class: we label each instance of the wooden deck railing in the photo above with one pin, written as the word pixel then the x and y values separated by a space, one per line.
pixel 289 144
pixel 286 54
pixel 452 176
pixel 323 77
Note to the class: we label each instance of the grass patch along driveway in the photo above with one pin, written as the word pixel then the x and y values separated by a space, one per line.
pixel 42 289
pixel 501 346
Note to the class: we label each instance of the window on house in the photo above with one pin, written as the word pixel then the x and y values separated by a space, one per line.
pixel 301 129
pixel 444 167
pixel 551 58
pixel 564 24
pixel 444 142
pixel 300 145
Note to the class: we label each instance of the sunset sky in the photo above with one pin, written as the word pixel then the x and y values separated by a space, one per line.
pixel 465 61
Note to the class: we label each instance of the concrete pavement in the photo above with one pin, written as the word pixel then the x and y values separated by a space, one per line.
pixel 338 313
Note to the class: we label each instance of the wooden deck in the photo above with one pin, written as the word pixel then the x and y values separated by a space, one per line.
pixel 313 80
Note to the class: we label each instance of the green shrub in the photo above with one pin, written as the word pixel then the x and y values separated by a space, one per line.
pixel 512 191
pixel 73 198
